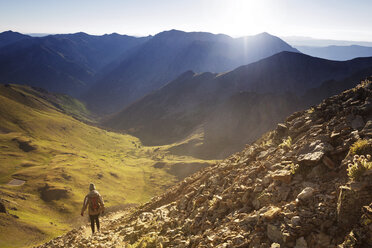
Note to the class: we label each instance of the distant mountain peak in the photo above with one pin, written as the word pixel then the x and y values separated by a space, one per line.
pixel 188 73
pixel 173 33
pixel 178 34
pixel 9 37
pixel 11 32
pixel 264 34
pixel 112 34
pixel 81 34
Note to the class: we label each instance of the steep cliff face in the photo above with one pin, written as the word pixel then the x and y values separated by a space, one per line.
pixel 305 184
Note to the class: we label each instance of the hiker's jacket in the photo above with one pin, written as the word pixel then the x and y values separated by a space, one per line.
pixel 88 203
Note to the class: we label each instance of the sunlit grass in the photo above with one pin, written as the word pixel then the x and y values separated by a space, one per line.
pixel 69 155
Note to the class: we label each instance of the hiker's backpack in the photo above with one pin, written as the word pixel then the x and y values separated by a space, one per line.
pixel 94 202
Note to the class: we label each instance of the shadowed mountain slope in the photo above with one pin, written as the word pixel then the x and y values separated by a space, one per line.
pixel 305 184
pixel 66 63
pixel 248 100
pixel 9 37
pixel 171 53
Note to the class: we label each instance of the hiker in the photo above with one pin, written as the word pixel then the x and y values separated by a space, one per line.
pixel 96 206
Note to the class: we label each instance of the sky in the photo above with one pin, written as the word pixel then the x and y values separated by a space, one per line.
pixel 325 19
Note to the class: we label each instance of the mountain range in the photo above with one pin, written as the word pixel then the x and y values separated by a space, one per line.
pixel 170 53
pixel 235 108
pixel 337 52
pixel 64 63
pixel 111 71
pixel 315 42
pixel 176 85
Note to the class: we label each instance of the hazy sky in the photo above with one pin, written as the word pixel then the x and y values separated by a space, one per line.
pixel 332 19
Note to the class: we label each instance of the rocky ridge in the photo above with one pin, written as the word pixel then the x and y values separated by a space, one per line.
pixel 294 187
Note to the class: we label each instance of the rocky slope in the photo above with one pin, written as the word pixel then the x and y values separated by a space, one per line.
pixel 297 186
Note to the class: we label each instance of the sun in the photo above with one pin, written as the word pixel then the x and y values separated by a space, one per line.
pixel 245 17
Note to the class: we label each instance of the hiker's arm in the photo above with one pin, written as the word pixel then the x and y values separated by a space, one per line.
pixel 102 203
pixel 85 205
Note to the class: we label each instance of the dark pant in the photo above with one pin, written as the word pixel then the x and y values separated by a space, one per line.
pixel 92 219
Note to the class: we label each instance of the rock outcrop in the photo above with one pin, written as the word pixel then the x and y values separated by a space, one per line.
pixel 290 188
pixel 2 207
pixel 50 193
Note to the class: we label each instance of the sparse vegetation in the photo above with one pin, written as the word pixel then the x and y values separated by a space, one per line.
pixel 361 147
pixel 287 143
pixel 359 166
pixel 147 242
pixel 267 143
pixel 311 110
pixel 295 168
pixel 365 82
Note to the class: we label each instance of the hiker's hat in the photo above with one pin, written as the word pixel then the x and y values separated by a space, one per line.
pixel 92 186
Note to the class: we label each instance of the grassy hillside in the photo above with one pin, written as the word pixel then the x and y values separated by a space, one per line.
pixel 58 156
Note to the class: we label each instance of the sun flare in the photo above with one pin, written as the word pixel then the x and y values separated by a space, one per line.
pixel 245 17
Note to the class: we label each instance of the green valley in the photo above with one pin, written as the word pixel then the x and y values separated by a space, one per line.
pixel 49 147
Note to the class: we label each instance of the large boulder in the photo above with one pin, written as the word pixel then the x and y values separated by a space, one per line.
pixel 284 176
pixel 312 153
pixel 301 243
pixel 357 123
pixel 275 234
pixel 51 193
pixel 350 202
pixel 367 130
pixel 305 194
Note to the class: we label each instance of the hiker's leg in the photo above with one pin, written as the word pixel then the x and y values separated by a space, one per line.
pixel 97 221
pixel 92 222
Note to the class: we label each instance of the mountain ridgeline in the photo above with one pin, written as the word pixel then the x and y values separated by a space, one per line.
pixel 170 53
pixel 63 63
pixel 337 52
pixel 235 108
pixel 9 37
pixel 112 71
pixel 209 90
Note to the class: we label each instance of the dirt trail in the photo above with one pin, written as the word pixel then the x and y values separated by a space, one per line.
pixel 82 236
pixel 105 222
